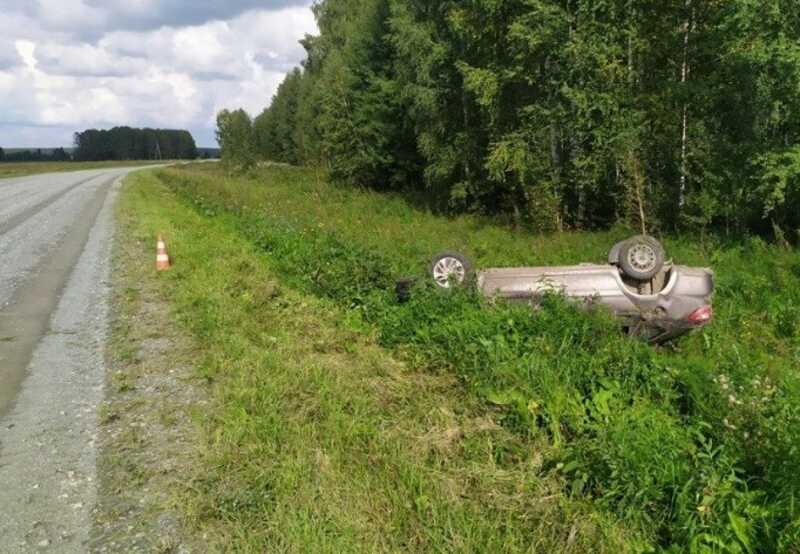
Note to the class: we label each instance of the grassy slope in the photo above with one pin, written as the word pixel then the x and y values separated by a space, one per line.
pixel 693 446
pixel 21 169
pixel 318 440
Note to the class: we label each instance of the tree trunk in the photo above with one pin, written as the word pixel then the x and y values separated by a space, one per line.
pixel 685 69
pixel 555 149
pixel 637 184
pixel 517 213
pixel 465 115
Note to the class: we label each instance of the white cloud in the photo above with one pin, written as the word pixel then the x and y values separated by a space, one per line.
pixel 54 83
pixel 89 19
pixel 68 14
pixel 85 60
pixel 8 54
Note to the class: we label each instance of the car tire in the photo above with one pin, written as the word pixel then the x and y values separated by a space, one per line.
pixel 450 269
pixel 613 254
pixel 641 258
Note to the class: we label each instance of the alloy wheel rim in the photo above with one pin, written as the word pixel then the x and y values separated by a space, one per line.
pixel 448 269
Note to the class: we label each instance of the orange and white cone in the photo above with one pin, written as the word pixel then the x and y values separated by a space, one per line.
pixel 162 258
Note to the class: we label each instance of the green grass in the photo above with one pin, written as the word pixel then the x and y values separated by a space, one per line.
pixel 21 169
pixel 317 439
pixel 692 447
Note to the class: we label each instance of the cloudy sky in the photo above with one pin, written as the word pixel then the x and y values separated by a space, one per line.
pixel 68 65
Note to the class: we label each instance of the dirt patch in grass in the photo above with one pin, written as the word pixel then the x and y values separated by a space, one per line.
pixel 148 440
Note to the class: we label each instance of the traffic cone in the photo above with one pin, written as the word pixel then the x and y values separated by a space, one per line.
pixel 162 258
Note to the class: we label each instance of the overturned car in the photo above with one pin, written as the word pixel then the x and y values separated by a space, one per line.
pixel 655 299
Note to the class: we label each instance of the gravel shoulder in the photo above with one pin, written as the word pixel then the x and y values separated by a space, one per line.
pixel 48 438
pixel 147 436
pixel 91 393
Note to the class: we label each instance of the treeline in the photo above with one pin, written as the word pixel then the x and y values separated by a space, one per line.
pixel 562 113
pixel 127 143
pixel 207 153
pixel 35 155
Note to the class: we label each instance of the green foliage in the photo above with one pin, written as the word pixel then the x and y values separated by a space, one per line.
pixel 37 155
pixel 344 110
pixel 780 181
pixel 126 143
pixel 539 109
pixel 695 446
pixel 275 129
pixel 236 139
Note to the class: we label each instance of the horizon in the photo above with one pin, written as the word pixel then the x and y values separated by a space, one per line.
pixel 173 65
pixel 72 147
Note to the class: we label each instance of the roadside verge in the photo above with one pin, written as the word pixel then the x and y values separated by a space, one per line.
pixel 147 441
pixel 314 439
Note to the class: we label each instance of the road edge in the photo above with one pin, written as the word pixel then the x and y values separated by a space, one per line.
pixel 146 434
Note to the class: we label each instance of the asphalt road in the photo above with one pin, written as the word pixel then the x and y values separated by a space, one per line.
pixel 55 242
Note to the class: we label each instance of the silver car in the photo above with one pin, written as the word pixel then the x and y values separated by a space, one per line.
pixel 656 299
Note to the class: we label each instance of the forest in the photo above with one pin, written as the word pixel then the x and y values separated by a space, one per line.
pixel 126 143
pixel 34 155
pixel 558 114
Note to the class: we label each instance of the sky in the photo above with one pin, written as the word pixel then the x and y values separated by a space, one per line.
pixel 70 65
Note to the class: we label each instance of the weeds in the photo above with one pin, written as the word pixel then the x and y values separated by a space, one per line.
pixel 319 440
pixel 695 446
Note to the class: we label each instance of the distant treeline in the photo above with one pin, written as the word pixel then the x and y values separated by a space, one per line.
pixel 65 154
pixel 35 155
pixel 562 114
pixel 207 153
pixel 127 143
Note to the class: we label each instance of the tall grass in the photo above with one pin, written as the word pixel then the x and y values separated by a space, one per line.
pixel 696 444
pixel 316 439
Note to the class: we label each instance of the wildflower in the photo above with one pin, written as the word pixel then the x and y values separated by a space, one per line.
pixel 728 424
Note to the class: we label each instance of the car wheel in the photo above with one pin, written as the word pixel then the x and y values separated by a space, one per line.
pixel 613 254
pixel 449 269
pixel 641 258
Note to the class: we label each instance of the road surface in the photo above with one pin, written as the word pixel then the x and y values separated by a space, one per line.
pixel 55 242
